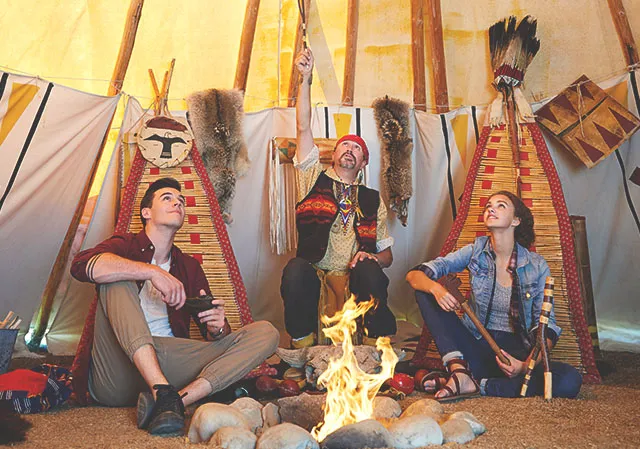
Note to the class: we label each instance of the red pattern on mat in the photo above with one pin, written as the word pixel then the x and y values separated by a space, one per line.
pixel 568 257
pixel 223 237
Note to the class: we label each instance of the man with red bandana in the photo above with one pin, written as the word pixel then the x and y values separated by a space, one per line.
pixel 342 228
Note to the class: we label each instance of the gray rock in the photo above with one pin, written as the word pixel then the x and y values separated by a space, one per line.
pixel 364 434
pixel 315 359
pixel 457 431
pixel 386 407
pixel 415 431
pixel 305 410
pixel 233 438
pixel 427 407
pixel 252 411
pixel 286 436
pixel 477 427
pixel 210 417
pixel 270 415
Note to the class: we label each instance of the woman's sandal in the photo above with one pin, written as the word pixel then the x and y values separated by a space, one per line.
pixel 454 396
pixel 440 378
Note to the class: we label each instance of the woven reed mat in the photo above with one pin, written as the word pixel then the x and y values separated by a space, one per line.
pixel 493 169
pixel 203 235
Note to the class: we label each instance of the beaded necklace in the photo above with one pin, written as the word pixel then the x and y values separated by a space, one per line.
pixel 347 202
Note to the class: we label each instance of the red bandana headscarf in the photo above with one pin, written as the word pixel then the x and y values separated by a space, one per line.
pixel 359 140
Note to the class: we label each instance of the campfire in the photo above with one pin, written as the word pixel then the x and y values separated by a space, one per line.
pixel 347 417
pixel 350 391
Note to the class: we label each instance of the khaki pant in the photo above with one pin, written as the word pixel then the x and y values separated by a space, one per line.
pixel 121 329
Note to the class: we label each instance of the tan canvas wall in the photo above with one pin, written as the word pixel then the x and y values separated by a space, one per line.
pixel 75 41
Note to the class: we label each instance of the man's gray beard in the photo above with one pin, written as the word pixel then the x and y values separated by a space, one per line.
pixel 346 164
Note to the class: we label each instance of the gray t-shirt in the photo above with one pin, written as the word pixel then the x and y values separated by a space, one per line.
pixel 499 318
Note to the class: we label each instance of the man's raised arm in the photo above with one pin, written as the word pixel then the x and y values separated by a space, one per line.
pixel 304 136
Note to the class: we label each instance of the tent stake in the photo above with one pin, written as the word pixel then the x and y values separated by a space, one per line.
pixel 417 55
pixel 246 44
pixel 436 41
pixel 350 56
pixel 62 261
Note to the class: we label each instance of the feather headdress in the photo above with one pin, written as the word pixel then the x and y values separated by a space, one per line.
pixel 512 49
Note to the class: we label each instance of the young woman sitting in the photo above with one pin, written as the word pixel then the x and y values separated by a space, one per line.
pixel 507 286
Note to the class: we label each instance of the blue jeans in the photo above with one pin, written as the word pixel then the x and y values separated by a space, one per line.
pixel 451 335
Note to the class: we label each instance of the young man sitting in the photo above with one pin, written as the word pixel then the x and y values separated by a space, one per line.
pixel 141 347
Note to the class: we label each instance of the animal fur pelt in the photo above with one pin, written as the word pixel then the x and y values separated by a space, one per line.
pixel 13 427
pixel 216 118
pixel 392 118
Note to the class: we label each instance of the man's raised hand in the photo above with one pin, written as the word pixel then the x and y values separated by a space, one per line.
pixel 304 63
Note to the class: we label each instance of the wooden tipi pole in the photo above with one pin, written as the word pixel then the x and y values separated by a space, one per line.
pixel 439 67
pixel 246 44
pixel 623 28
pixel 417 55
pixel 348 86
pixel 124 55
pixel 294 79
pixel 630 51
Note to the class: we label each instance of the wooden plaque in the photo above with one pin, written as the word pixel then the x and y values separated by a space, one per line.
pixel 588 122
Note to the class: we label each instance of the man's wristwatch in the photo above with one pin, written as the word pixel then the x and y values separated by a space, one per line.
pixel 217 334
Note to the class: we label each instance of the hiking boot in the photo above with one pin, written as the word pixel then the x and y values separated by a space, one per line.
pixel 144 409
pixel 167 415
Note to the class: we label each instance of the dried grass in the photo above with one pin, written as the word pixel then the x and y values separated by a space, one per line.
pixel 605 415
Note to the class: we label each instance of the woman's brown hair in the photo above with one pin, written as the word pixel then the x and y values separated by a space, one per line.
pixel 524 233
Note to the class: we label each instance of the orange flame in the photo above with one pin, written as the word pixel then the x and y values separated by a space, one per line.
pixel 350 391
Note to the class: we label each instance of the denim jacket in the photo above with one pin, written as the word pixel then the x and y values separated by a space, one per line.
pixel 479 259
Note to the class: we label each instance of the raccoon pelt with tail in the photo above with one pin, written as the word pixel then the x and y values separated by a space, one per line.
pixel 392 119
pixel 216 118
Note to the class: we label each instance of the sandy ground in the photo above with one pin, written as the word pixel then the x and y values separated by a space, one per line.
pixel 603 416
